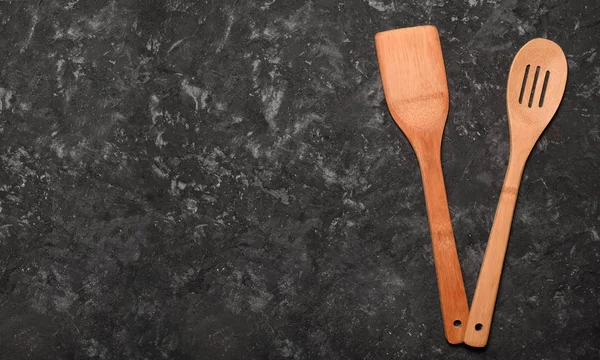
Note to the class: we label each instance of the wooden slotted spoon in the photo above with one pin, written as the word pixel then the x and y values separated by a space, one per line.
pixel 416 91
pixel 536 84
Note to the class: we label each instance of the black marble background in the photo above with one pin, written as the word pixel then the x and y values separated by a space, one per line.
pixel 222 180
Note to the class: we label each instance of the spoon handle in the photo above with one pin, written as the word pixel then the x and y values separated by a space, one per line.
pixel 453 298
pixel 484 300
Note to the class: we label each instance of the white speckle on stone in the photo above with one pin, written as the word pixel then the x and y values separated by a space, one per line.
pixel 60 71
pixel 270 33
pixel 255 72
pixel 159 140
pixel 78 72
pixel 59 148
pixel 272 98
pixel 329 176
pixel 254 148
pixel 175 45
pixel 380 6
pixel 5 99
pixel 71 4
pixel 304 121
pixel 159 172
pixel 155 110
pixel 191 205
pixel 595 234
pixel 274 59
pixel 34 21
pixel 220 106
pixel 267 5
pixel 199 95
pixel 74 33
pixel 592 57
pixel 174 190
pixel 358 205
pixel 226 33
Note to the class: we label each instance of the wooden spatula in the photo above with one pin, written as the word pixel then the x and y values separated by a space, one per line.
pixel 536 84
pixel 416 91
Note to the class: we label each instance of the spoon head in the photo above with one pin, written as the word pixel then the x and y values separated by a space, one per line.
pixel 536 84
pixel 414 78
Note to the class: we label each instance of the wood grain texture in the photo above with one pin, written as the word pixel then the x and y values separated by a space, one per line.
pixel 414 81
pixel 528 116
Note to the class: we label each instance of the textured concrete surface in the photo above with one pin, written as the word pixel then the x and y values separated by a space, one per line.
pixel 222 180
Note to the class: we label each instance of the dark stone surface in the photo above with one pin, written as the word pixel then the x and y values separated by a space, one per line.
pixel 221 179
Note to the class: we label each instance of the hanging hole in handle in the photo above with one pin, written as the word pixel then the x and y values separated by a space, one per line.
pixel 457 323
pixel 478 327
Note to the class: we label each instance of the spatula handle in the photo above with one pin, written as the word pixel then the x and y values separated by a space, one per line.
pixel 453 298
pixel 482 308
